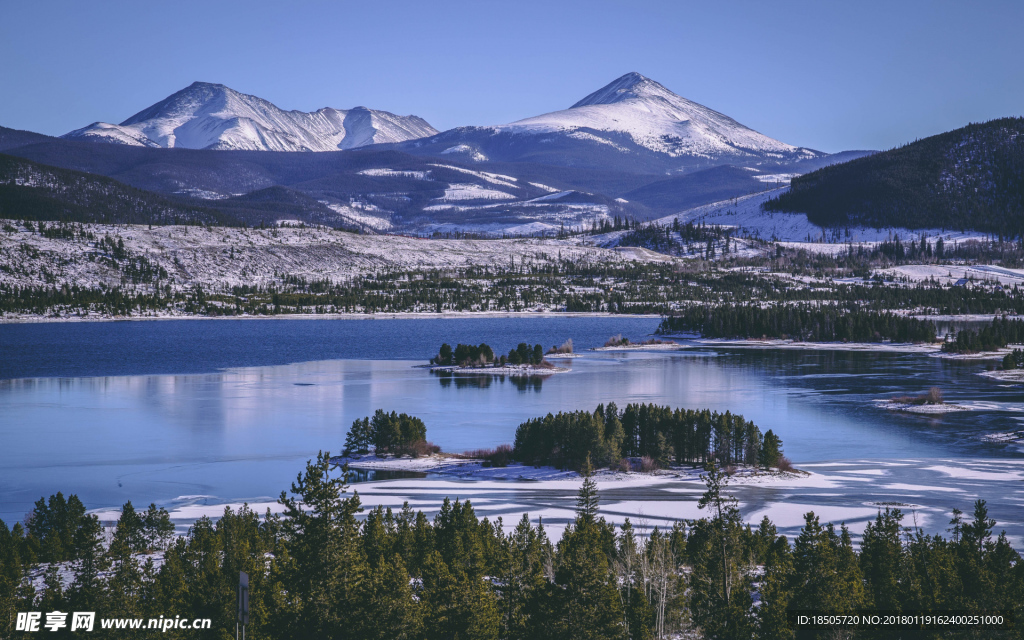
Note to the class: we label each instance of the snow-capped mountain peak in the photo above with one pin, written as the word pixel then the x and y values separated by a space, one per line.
pixel 656 119
pixel 212 116
pixel 631 85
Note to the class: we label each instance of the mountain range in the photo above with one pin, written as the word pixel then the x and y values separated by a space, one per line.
pixel 212 116
pixel 632 148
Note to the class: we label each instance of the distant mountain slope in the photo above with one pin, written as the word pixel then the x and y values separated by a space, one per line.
pixel 212 116
pixel 632 124
pixel 970 178
pixel 693 189
pixel 32 191
pixel 13 138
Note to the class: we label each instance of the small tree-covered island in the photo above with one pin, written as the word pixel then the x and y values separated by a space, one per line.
pixel 641 437
pixel 523 360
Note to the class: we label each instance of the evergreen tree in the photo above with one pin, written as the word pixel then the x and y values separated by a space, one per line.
pixel 882 562
pixel 588 600
pixel 523 584
pixel 826 576
pixel 771 450
pixel 10 578
pixel 359 438
pixel 720 600
pixel 325 565
pixel 86 592
pixel 130 534
pixel 587 500
pixel 157 526
pixel 772 622
pixel 387 609
pixel 455 604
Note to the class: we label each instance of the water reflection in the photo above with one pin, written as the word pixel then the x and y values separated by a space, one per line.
pixel 484 381
pixel 371 475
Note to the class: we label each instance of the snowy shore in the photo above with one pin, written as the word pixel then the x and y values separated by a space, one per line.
pixel 511 370
pixel 923 409
pixel 449 315
pixel 661 346
pixel 473 469
pixel 778 343
pixel 1005 375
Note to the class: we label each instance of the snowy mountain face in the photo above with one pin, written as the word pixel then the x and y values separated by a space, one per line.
pixel 212 116
pixel 656 119
pixel 647 126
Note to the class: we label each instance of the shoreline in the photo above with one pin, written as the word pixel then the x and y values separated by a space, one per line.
pixel 404 315
pixel 453 465
pixel 510 370
pixel 778 343
pixel 921 409
pixel 1013 376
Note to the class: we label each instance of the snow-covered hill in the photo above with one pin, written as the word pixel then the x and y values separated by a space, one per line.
pixel 794 229
pixel 632 122
pixel 212 116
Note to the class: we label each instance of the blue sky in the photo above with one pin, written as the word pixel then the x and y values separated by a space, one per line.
pixel 826 75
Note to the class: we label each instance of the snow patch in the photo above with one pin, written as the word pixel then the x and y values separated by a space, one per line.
pixel 394 173
pixel 469 191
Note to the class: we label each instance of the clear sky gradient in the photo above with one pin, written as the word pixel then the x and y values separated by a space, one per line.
pixel 826 75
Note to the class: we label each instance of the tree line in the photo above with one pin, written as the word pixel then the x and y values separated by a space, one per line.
pixel 798 322
pixel 468 355
pixel 998 334
pixel 666 436
pixel 327 568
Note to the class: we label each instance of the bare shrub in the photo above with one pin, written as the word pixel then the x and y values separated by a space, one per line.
pixel 647 464
pixel 417 449
pixel 617 341
pixel 544 364
pixel 656 341
pixel 731 470
pixel 566 347
pixel 784 464
pixel 933 396
pixel 909 399
pixel 624 466
pixel 499 456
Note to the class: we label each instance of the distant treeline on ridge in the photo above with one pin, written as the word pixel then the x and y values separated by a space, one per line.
pixel 798 322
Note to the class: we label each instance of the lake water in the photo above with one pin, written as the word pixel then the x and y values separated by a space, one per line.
pixel 231 410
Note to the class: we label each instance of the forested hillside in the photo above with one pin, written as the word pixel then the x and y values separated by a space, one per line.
pixel 971 178
pixel 32 191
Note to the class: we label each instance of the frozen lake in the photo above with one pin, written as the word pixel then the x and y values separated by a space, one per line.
pixel 213 412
